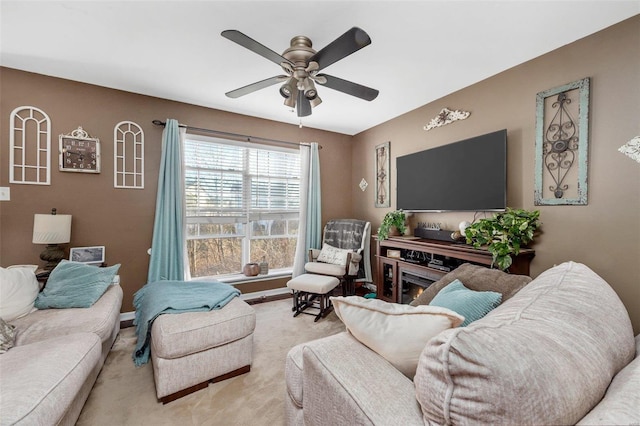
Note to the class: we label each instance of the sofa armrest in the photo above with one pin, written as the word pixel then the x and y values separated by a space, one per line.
pixel 347 383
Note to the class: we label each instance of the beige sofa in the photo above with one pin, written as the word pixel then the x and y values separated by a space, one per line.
pixel 560 351
pixel 46 378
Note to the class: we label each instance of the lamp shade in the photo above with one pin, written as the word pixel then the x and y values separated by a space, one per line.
pixel 51 228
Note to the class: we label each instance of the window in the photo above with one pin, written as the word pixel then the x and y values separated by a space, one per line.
pixel 242 203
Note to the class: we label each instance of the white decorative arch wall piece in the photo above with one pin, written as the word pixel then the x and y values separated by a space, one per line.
pixel 29 146
pixel 446 116
pixel 128 155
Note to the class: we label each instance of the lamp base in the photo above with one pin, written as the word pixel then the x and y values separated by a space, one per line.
pixel 52 254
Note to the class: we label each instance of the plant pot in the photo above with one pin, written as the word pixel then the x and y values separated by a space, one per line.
pixel 251 269
pixel 393 232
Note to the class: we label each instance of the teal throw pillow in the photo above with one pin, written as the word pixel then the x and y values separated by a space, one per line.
pixel 471 304
pixel 75 285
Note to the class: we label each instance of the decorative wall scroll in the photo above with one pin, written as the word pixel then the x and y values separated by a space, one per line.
pixel 632 149
pixel 446 116
pixel 128 155
pixel 382 163
pixel 562 143
pixel 29 146
pixel 363 184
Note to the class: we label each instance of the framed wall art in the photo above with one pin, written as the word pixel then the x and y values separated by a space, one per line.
pixel 562 145
pixel 382 164
pixel 91 255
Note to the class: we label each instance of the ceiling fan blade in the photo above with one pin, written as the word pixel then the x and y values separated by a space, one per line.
pixel 303 105
pixel 249 43
pixel 256 86
pixel 348 43
pixel 350 88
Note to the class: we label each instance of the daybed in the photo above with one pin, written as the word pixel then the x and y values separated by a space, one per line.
pixel 47 376
pixel 560 351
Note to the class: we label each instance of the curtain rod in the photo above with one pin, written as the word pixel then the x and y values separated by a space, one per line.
pixel 246 138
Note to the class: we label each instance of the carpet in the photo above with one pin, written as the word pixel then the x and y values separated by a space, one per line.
pixel 125 395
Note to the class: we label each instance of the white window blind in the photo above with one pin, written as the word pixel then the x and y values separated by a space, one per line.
pixel 239 196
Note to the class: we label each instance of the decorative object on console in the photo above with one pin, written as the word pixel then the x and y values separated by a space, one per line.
pixel 89 255
pixel 52 229
pixel 79 152
pixel 504 234
pixel 29 138
pixel 446 116
pixel 561 144
pixel 128 155
pixel 251 269
pixel 395 219
pixel 383 185
pixel 632 149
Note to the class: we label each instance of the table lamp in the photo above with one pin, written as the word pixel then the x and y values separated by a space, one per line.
pixel 52 229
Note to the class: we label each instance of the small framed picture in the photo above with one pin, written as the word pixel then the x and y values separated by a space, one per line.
pixel 90 255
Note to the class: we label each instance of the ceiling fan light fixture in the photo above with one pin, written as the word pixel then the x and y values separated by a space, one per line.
pixel 309 89
pixel 287 90
pixel 315 101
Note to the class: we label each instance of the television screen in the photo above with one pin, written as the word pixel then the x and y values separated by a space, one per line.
pixel 469 175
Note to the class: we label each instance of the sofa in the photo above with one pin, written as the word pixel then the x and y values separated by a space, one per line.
pixel 560 350
pixel 57 354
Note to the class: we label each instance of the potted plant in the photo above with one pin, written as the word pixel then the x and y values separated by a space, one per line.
pixel 504 234
pixel 392 224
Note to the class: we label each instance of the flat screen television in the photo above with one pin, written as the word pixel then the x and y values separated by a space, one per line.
pixel 469 175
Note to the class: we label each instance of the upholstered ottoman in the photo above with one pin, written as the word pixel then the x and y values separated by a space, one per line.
pixel 191 349
pixel 311 290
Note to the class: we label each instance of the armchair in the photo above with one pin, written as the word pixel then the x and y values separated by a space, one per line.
pixel 344 253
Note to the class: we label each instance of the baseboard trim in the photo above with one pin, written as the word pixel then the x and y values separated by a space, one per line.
pixel 126 318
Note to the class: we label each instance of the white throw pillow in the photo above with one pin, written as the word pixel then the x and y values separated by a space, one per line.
pixel 333 255
pixel 18 291
pixel 394 331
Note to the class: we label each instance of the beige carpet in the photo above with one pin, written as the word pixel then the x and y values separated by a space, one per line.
pixel 125 395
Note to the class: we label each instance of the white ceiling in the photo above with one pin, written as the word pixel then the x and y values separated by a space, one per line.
pixel 420 51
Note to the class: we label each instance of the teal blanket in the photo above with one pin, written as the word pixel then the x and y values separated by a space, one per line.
pixel 174 297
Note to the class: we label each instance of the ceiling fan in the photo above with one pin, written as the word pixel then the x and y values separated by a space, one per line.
pixel 302 64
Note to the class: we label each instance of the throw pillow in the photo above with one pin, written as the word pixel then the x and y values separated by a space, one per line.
pixel 7 336
pixel 472 305
pixel 333 255
pixel 75 285
pixel 18 290
pixel 396 332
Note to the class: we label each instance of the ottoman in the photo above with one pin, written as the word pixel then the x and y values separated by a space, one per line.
pixel 311 290
pixel 191 349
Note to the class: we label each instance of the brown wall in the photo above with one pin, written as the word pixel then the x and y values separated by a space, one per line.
pixel 605 234
pixel 122 219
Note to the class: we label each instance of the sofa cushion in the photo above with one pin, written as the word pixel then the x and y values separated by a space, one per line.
pixel 75 285
pixel 546 356
pixel 40 381
pixel 621 403
pixel 476 278
pixel 47 323
pixel 18 291
pixel 472 305
pixel 396 332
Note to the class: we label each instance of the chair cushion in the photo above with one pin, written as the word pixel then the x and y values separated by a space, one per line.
pixel 476 278
pixel 333 255
pixel 319 284
pixel 546 356
pixel 325 269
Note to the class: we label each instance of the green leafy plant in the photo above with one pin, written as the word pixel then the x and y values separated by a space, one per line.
pixel 504 234
pixel 392 219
